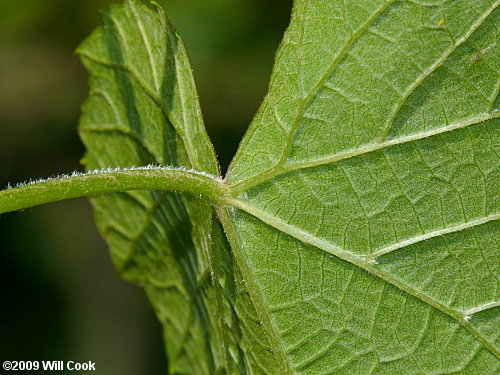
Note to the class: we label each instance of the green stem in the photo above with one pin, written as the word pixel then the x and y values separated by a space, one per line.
pixel 112 181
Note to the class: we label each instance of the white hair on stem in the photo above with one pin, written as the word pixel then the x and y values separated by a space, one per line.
pixel 149 167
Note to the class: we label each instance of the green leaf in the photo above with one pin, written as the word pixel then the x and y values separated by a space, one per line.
pixel 360 212
pixel 143 110
pixel 368 189
pixel 357 229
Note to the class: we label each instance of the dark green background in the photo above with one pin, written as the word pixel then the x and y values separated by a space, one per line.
pixel 61 299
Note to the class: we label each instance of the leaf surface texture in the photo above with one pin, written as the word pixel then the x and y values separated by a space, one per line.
pixel 374 163
pixel 362 233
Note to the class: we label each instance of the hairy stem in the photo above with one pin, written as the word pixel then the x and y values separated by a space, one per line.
pixel 111 181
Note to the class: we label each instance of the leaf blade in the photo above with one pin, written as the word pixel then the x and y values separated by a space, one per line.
pixel 341 134
pixel 384 154
pixel 324 309
pixel 143 110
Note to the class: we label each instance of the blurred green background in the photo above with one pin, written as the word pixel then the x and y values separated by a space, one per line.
pixel 61 299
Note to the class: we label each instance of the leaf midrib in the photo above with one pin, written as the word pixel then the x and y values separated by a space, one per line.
pixel 242 186
pixel 305 100
pixel 221 199
pixel 254 292
pixel 282 167
pixel 367 265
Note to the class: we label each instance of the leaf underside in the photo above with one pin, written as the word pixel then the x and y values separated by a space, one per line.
pixel 363 236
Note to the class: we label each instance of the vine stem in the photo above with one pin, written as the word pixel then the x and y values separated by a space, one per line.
pixel 107 181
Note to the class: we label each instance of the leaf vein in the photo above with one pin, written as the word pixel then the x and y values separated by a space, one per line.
pixel 365 265
pixel 481 308
pixel 432 68
pixel 125 132
pixel 146 44
pixel 254 293
pixel 264 177
pixel 145 89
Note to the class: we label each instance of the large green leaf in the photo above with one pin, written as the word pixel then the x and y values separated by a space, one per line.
pixel 369 185
pixel 361 232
